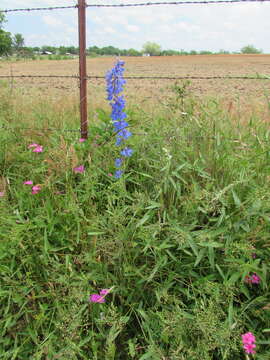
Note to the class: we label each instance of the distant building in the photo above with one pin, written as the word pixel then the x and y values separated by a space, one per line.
pixel 46 53
pixel 146 54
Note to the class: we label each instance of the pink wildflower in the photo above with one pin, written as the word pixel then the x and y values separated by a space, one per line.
pixel 32 146
pixel 110 174
pixel 36 189
pixel 79 169
pixel 81 140
pixel 249 345
pixel 96 298
pixel 28 182
pixel 253 255
pixel 2 193
pixel 104 292
pixel 255 279
pixel 38 149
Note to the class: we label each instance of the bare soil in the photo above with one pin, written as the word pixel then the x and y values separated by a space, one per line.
pixel 247 93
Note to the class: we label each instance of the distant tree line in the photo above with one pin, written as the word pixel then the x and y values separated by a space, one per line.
pixel 14 45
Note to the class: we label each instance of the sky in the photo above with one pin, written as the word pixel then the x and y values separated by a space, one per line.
pixel 189 27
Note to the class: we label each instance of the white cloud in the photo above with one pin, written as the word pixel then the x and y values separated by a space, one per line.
pixel 52 20
pixel 132 28
pixel 228 26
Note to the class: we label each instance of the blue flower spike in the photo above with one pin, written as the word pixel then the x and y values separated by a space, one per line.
pixel 115 85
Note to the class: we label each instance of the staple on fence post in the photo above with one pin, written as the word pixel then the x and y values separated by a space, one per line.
pixel 83 73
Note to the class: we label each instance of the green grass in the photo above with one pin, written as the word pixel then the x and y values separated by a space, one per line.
pixel 174 236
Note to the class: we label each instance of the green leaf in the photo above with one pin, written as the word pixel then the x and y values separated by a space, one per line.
pixel 200 256
pixel 236 199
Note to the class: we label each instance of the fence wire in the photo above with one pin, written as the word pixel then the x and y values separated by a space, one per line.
pixel 259 77
pixel 39 9
pixel 198 2
pixel 202 2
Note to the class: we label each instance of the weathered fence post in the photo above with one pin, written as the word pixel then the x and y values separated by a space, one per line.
pixel 83 73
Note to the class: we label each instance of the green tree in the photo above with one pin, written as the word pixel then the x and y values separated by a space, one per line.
pixel 250 49
pixel 18 42
pixel 2 19
pixel 5 37
pixel 151 48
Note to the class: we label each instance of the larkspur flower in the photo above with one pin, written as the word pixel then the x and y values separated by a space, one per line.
pixel 115 85
pixel 248 340
pixel 118 174
pixel 127 152
pixel 125 134
pixel 118 141
pixel 28 182
pixel 118 162
pixel 79 169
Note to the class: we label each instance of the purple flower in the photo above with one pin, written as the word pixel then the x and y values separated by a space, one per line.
pixel 125 134
pixel 118 141
pixel 118 162
pixel 118 174
pixel 127 152
pixel 115 85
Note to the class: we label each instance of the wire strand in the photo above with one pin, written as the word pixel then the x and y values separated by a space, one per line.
pixel 265 77
pixel 196 2
pixel 202 2
pixel 39 9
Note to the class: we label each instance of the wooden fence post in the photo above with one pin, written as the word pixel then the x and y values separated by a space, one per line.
pixel 83 72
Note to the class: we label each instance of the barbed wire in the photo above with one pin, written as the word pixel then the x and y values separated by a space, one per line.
pixel 187 77
pixel 196 2
pixel 39 76
pixel 39 8
pixel 10 128
pixel 259 77
pixel 202 2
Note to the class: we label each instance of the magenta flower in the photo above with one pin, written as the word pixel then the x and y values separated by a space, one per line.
pixel 249 345
pixel 96 298
pixel 36 189
pixel 110 174
pixel 28 182
pixel 38 149
pixel 253 255
pixel 100 298
pixel 2 193
pixel 81 140
pixel 32 146
pixel 104 292
pixel 79 169
pixel 255 279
